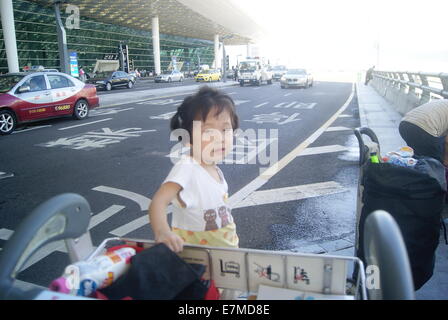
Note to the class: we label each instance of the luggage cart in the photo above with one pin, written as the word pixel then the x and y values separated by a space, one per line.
pixel 66 217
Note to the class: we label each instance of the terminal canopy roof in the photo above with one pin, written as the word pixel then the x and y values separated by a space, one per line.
pixel 200 19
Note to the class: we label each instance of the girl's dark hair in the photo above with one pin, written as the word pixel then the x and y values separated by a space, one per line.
pixel 199 105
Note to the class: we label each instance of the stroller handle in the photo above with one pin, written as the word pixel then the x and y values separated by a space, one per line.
pixel 65 216
pixel 363 148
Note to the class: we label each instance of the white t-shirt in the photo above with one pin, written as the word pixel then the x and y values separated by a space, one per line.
pixel 205 198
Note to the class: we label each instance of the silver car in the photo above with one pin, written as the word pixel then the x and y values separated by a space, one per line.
pixel 278 72
pixel 170 76
pixel 296 78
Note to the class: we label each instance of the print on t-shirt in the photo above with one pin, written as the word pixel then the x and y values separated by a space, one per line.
pixel 224 216
pixel 210 219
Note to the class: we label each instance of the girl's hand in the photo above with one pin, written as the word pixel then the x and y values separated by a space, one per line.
pixel 171 240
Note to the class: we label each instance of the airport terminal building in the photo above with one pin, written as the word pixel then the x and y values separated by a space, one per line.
pixel 154 31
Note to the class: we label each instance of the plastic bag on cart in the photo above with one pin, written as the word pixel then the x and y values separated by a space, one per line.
pixel 415 198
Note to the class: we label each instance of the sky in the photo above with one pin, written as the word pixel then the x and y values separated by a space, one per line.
pixel 353 34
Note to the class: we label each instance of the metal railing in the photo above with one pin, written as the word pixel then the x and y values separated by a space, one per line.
pixel 420 80
pixel 407 90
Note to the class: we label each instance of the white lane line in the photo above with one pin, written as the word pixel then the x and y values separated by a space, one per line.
pixel 33 128
pixel 287 95
pixel 238 102
pixel 321 150
pixel 267 174
pixel 331 129
pixel 84 124
pixel 104 215
pixel 261 104
pixel 4 175
pixel 136 224
pixel 279 105
pixel 345 116
pixel 256 88
pixel 290 105
pixel 142 201
pixel 105 111
pixel 291 194
pixel 5 234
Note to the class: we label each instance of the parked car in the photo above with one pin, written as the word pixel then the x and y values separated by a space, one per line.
pixel 208 75
pixel 26 97
pixel 110 79
pixel 170 76
pixel 296 78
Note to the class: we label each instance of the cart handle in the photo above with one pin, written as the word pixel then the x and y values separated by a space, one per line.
pixel 363 148
pixel 384 247
pixel 65 216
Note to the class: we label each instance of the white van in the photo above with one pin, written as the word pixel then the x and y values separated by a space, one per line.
pixel 254 71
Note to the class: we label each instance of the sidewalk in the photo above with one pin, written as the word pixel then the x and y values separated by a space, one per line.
pixel 114 99
pixel 376 113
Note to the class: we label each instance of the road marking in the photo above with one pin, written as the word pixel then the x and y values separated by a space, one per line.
pixel 331 129
pixel 161 102
pixel 324 149
pixel 278 105
pixel 4 175
pixel 290 105
pixel 287 95
pixel 238 102
pixel 256 88
pixel 261 104
pixel 264 177
pixel 275 117
pixel 84 124
pixel 141 200
pixel 95 139
pixel 301 105
pixel 165 116
pixel 107 111
pixel 291 194
pixel 104 215
pixel 345 116
pixel 33 128
pixel 5 234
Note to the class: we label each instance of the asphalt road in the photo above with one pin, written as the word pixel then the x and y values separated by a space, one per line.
pixel 117 159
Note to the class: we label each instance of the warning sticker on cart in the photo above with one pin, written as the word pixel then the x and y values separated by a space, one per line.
pixel 229 269
pixel 265 269
pixel 315 274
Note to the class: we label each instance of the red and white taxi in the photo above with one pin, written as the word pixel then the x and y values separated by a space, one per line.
pixel 26 97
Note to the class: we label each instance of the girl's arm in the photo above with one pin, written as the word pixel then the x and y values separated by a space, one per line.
pixel 157 215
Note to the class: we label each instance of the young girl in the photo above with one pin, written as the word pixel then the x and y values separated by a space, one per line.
pixel 195 185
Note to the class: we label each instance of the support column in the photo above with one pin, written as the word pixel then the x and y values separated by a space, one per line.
pixel 217 56
pixel 9 34
pixel 248 50
pixel 62 41
pixel 156 45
